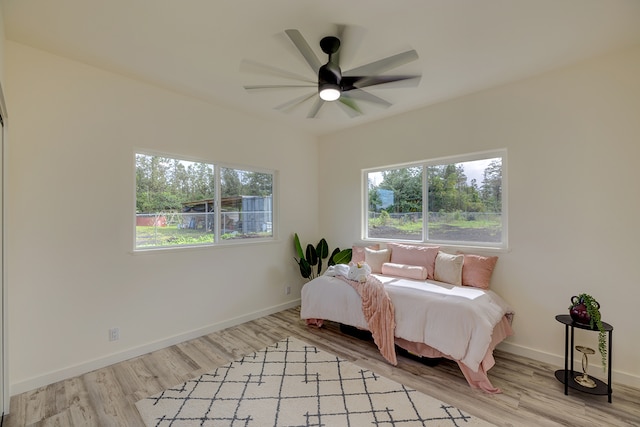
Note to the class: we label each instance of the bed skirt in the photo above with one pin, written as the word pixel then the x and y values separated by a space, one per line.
pixel 478 379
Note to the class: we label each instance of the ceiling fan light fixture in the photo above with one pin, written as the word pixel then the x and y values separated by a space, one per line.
pixel 329 91
pixel 329 76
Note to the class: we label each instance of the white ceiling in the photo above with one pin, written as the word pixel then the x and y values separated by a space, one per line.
pixel 197 47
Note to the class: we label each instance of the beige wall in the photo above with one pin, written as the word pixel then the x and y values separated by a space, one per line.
pixel 573 141
pixel 72 274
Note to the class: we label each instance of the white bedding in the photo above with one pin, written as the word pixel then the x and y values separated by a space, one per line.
pixel 456 320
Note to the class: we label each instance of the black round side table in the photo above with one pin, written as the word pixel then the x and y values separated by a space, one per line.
pixel 566 375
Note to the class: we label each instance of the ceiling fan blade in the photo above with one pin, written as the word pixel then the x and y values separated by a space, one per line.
pixel 316 107
pixel 289 105
pixel 351 37
pixel 366 96
pixel 383 65
pixel 349 106
pixel 259 68
pixel 340 30
pixel 304 49
pixel 366 81
pixel 259 87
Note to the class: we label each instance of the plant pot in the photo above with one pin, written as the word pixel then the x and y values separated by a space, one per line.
pixel 578 311
pixel 579 314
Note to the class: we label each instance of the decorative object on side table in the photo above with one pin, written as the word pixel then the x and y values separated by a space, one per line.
pixel 584 379
pixel 584 309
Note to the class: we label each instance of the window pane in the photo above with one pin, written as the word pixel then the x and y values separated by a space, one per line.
pixel 395 204
pixel 174 202
pixel 465 201
pixel 246 204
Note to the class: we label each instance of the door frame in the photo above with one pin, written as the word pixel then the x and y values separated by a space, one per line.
pixel 4 306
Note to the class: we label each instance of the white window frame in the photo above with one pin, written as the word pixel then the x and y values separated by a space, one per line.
pixel 217 240
pixel 502 153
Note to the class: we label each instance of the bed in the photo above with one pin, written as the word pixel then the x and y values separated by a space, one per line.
pixel 426 317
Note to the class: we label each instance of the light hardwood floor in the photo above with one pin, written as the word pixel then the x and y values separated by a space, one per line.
pixel 531 394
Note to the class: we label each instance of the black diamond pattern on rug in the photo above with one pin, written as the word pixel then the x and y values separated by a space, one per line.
pixel 293 384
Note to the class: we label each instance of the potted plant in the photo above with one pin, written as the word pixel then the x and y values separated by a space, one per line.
pixel 310 260
pixel 585 309
pixel 313 256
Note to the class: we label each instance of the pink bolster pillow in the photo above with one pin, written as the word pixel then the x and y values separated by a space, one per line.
pixel 416 272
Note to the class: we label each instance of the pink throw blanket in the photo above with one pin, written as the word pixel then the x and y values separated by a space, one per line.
pixel 379 313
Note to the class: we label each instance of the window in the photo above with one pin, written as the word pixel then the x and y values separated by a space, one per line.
pixel 186 203
pixel 463 197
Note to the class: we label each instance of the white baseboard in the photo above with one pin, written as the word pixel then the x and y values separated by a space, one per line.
pixel 618 377
pixel 72 371
pixel 82 368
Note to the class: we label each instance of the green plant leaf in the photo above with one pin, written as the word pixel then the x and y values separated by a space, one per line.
pixel 333 254
pixel 298 247
pixel 312 255
pixel 322 249
pixel 342 257
pixel 305 268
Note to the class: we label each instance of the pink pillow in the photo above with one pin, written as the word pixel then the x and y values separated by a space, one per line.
pixel 357 252
pixel 477 270
pixel 415 255
pixel 417 272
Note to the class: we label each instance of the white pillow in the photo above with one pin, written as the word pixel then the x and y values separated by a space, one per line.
pixel 375 259
pixel 449 268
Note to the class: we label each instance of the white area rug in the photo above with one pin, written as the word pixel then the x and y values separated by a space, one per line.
pixel 292 383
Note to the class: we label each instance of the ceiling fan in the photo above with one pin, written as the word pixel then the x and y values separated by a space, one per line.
pixel 335 85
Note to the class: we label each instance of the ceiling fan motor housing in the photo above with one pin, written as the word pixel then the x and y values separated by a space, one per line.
pixel 330 45
pixel 329 75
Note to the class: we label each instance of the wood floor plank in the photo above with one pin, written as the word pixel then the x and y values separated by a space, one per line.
pixel 207 347
pixel 35 405
pixel 107 397
pixel 81 411
pixel 61 419
pixel 531 394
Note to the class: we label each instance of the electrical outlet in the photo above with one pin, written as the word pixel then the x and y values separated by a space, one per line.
pixel 287 290
pixel 114 334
